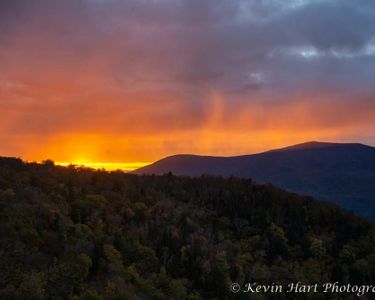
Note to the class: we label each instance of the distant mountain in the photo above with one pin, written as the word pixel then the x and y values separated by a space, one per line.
pixel 340 173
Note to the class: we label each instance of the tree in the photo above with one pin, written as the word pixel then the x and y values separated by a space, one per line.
pixel 31 287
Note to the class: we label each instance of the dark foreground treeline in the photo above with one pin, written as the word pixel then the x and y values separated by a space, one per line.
pixel 74 233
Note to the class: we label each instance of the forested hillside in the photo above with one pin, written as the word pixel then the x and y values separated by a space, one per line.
pixel 75 233
pixel 340 173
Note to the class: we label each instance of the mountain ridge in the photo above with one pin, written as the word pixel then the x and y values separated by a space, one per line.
pixel 343 173
pixel 295 147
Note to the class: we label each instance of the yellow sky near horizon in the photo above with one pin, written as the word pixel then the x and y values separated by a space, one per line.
pixel 107 166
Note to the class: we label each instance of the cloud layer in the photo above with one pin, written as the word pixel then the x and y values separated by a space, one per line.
pixel 136 80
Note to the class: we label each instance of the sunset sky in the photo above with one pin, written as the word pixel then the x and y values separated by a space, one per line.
pixel 127 82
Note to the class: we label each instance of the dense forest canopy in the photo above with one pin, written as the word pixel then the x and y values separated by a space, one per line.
pixel 76 233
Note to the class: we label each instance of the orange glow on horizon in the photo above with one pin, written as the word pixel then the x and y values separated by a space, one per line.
pixel 109 166
pixel 128 137
pixel 106 152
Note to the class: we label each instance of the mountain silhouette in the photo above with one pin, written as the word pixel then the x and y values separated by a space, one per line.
pixel 339 173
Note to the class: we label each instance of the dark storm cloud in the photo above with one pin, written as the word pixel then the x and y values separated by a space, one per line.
pixel 218 43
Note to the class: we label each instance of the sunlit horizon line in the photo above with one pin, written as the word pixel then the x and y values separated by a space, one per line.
pixel 131 166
